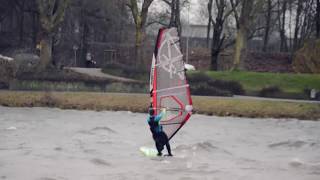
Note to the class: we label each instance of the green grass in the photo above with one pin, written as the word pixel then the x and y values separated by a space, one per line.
pixel 254 81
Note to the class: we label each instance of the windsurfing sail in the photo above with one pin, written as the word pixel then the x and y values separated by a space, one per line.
pixel 169 88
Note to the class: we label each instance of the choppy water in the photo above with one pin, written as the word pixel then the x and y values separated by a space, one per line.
pixel 53 144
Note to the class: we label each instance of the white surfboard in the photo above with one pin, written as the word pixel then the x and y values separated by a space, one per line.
pixel 149 152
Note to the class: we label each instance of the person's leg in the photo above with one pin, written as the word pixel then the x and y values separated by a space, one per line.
pixel 165 141
pixel 168 148
pixel 159 148
pixel 159 144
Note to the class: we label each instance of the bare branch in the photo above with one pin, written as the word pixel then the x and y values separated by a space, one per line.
pixel 167 2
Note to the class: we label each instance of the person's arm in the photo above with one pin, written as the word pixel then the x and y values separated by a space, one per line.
pixel 159 116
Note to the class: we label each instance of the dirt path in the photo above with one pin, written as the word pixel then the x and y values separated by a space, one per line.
pixel 276 99
pixel 96 72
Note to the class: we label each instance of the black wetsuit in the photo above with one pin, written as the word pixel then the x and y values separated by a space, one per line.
pixel 158 135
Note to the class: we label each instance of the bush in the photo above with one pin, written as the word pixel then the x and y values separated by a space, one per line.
pixel 7 71
pixel 26 62
pixel 126 71
pixel 307 59
pixel 198 77
pixel 205 89
pixel 232 86
pixel 270 91
pixel 202 84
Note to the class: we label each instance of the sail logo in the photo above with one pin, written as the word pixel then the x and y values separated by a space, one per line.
pixel 171 57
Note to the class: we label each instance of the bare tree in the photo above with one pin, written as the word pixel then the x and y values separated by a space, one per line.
pixel 20 6
pixel 307 22
pixel 304 23
pixel 217 35
pixel 51 15
pixel 31 8
pixel 140 19
pixel 297 24
pixel 282 9
pixel 175 15
pixel 268 25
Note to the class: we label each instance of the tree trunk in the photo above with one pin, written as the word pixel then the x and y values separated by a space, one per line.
pixel 215 49
pixel 173 9
pixel 175 16
pixel 214 60
pixel 34 29
pixel 306 27
pixel 20 17
pixel 45 51
pixel 318 19
pixel 241 49
pixel 209 22
pixel 51 14
pixel 281 23
pixel 217 41
pixel 178 21
pixel 297 26
pixel 140 19
pixel 242 35
pixel 21 31
pixel 84 44
pixel 138 46
pixel 267 29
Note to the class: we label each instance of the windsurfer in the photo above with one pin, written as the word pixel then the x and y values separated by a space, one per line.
pixel 158 135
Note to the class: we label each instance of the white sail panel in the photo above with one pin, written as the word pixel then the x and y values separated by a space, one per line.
pixel 169 84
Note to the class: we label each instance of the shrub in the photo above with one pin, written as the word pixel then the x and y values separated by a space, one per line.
pixel 126 71
pixel 198 77
pixel 270 91
pixel 307 59
pixel 7 71
pixel 201 84
pixel 205 89
pixel 231 86
pixel 26 62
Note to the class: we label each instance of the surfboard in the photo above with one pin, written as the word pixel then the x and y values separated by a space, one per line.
pixel 149 152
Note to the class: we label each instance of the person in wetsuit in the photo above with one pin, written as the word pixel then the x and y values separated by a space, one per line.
pixel 159 137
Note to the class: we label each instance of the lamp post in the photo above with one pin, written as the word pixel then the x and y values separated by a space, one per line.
pixel 75 48
pixel 188 33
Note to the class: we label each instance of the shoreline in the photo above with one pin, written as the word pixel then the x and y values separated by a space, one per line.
pixel 251 108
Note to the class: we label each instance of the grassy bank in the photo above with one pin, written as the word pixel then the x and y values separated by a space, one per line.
pixel 117 101
pixel 253 81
